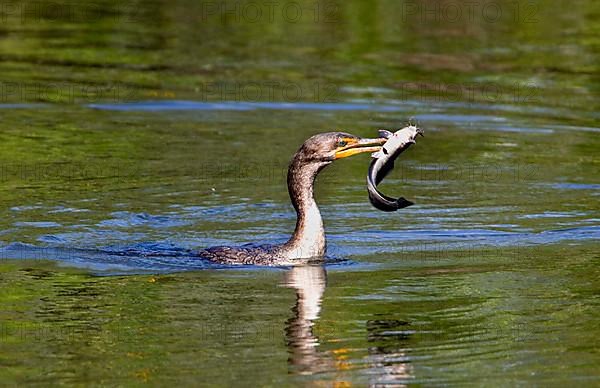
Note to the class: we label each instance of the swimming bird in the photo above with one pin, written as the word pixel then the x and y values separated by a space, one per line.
pixel 308 240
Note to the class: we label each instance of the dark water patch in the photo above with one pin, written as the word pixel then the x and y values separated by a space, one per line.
pixel 88 238
pixel 126 219
pixel 52 239
pixel 139 259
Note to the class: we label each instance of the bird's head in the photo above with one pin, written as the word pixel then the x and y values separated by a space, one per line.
pixel 324 148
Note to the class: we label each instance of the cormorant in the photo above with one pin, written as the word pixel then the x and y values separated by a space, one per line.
pixel 308 240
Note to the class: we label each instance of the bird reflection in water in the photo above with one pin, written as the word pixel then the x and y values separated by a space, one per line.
pixel 309 281
pixel 386 364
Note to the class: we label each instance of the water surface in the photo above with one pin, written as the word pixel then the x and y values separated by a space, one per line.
pixel 133 136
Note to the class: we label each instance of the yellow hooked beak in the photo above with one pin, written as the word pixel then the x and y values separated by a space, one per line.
pixel 355 146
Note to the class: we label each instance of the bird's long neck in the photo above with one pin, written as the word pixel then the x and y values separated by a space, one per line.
pixel 308 239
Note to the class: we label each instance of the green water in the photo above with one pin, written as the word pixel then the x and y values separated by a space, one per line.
pixel 491 279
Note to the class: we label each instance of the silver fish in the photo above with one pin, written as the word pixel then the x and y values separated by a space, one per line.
pixel 383 163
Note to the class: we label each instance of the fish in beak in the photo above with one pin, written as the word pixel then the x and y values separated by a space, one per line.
pixel 353 146
pixel 383 163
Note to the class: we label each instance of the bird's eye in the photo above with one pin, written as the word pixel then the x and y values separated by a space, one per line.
pixel 342 143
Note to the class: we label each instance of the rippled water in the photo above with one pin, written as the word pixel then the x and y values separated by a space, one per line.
pixel 135 136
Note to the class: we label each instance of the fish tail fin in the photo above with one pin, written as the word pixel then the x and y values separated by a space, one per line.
pixel 403 202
